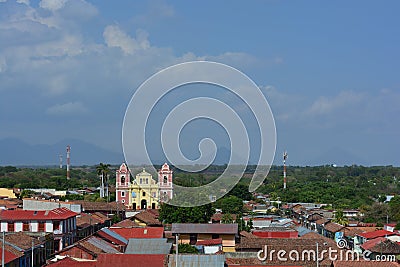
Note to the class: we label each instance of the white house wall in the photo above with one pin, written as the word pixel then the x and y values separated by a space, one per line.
pixel 49 227
pixel 34 226
pixel 4 226
pixel 18 226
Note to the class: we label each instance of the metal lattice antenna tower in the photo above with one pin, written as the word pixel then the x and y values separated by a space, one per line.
pixel 61 161
pixel 284 169
pixel 68 162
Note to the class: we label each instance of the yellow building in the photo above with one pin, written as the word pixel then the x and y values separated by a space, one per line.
pixel 7 193
pixel 144 192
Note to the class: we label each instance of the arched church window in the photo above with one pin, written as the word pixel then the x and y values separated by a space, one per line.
pixel 122 179
pixel 165 179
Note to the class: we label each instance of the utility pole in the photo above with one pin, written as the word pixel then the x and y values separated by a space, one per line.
pixel 68 162
pixel 176 241
pixel 102 185
pixel 32 252
pixel 2 252
pixel 284 169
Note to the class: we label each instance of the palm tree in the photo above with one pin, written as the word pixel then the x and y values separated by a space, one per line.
pixel 340 218
pixel 103 170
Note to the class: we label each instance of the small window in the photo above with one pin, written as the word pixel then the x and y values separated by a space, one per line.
pixel 122 193
pixel 144 194
pixel 141 180
pixel 215 236
pixel 165 179
pixel 147 180
pixel 10 227
pixel 122 179
pixel 123 201
pixel 193 239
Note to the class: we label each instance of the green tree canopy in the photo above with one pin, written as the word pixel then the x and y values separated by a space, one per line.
pixel 394 208
pixel 187 248
pixel 230 204
pixel 173 214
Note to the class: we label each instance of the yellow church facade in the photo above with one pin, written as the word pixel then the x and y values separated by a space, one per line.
pixel 143 192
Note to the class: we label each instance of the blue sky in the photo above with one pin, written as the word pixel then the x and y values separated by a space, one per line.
pixel 328 69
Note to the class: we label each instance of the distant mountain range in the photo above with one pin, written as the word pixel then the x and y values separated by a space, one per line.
pixel 16 152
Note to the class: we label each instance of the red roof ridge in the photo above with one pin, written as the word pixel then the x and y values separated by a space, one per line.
pixel 377 233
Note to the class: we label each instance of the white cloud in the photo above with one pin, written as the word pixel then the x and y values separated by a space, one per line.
pixel 285 106
pixel 326 105
pixel 52 5
pixel 26 2
pixel 115 37
pixel 67 109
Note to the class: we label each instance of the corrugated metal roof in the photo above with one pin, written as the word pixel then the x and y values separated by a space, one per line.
pixel 103 245
pixel 185 260
pixel 208 228
pixel 302 230
pixel 148 246
pixel 114 235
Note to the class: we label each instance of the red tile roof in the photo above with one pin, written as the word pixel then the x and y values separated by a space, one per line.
pixel 21 240
pixel 125 224
pixel 333 227
pixel 132 260
pixel 140 232
pixel 352 232
pixel 247 235
pixel 382 245
pixel 68 262
pixel 149 217
pixel 10 253
pixel 322 221
pixel 276 234
pixel 209 242
pixel 90 206
pixel 19 215
pixel 100 216
pixel 371 243
pixel 375 234
pixel 85 219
